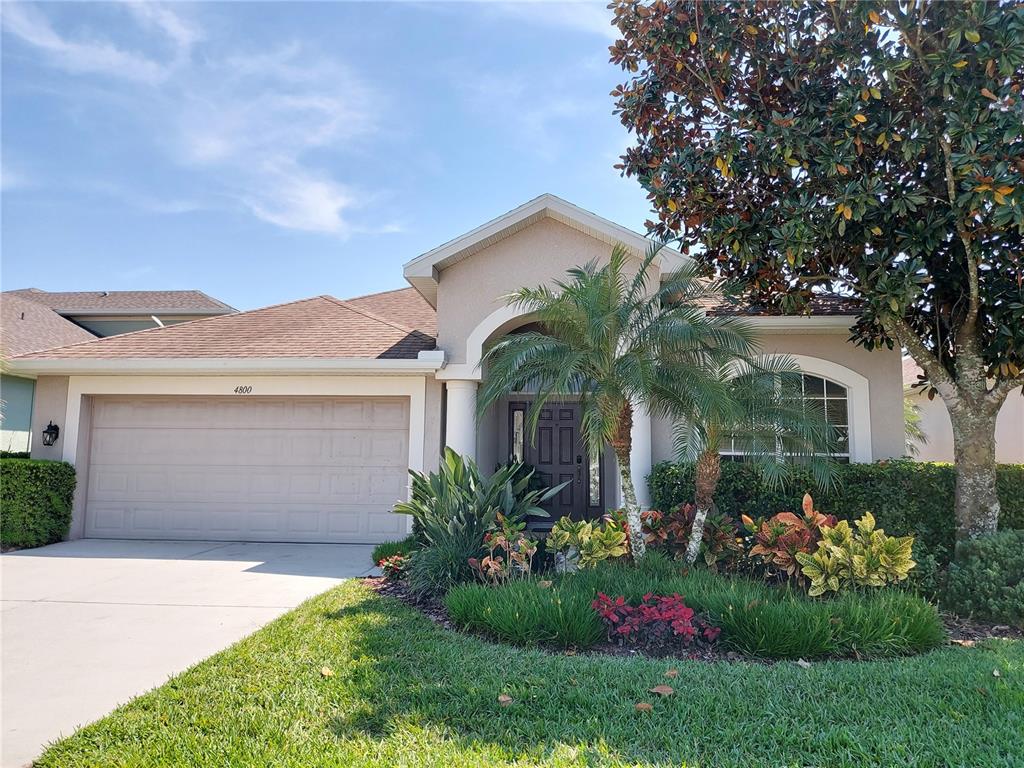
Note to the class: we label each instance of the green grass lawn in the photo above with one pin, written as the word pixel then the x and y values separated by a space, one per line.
pixel 408 693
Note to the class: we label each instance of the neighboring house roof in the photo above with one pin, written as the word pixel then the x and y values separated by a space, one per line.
pixel 27 326
pixel 819 305
pixel 320 327
pixel 126 302
pixel 422 271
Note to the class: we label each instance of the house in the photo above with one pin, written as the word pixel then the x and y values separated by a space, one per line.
pixel 938 430
pixel 298 422
pixel 34 320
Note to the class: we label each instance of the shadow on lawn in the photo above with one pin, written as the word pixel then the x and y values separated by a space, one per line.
pixel 408 672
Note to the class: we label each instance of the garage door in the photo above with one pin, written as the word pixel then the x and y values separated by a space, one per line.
pixel 247 469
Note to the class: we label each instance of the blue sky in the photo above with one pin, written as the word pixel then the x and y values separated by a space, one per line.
pixel 266 152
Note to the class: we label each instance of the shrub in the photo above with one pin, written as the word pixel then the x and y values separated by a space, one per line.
pixel 36 498
pixel 391 548
pixel 782 538
pixel 861 556
pixel 584 543
pixel 906 497
pixel 436 568
pixel 987 580
pixel 754 618
pixel 394 567
pixel 655 621
pixel 509 553
pixel 670 532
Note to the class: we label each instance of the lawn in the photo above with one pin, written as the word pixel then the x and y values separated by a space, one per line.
pixel 406 692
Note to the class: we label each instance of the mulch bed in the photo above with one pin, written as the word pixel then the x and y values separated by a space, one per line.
pixel 964 632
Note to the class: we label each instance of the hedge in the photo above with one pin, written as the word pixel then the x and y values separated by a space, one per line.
pixel 906 497
pixel 36 497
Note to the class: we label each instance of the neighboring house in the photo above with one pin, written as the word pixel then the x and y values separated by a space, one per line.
pixel 34 320
pixel 938 429
pixel 298 422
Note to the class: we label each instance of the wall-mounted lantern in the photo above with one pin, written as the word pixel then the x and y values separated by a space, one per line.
pixel 50 434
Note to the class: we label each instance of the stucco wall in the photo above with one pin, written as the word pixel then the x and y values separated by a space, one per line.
pixel 936 426
pixel 51 404
pixel 471 289
pixel 16 394
pixel 882 368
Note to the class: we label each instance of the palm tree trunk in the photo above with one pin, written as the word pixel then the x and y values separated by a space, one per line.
pixel 623 447
pixel 706 474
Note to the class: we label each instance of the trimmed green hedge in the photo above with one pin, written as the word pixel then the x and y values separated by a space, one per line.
pixel 987 579
pixel 906 497
pixel 36 497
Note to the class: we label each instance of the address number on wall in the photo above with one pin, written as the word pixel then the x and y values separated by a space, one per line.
pixel 245 389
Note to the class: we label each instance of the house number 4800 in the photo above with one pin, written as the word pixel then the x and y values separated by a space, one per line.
pixel 245 389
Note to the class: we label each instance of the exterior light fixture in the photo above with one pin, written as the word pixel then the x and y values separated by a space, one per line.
pixel 50 434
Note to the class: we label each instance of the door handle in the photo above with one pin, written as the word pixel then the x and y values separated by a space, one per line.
pixel 579 469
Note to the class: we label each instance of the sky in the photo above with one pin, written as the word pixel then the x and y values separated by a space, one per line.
pixel 266 152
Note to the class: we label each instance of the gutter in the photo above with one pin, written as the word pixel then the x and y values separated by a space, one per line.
pixel 427 362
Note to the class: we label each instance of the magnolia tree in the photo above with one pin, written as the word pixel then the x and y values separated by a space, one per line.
pixel 870 149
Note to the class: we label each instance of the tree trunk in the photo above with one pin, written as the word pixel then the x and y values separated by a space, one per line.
pixel 622 445
pixel 974 450
pixel 706 475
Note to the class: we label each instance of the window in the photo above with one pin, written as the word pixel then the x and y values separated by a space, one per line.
pixel 833 399
pixel 517 434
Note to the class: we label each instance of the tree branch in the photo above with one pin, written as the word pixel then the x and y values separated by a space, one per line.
pixel 939 377
pixel 1002 388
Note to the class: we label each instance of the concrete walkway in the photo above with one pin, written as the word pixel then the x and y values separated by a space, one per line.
pixel 87 625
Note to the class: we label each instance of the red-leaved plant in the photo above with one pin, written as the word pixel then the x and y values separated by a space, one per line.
pixel 670 532
pixel 778 539
pixel 394 567
pixel 655 621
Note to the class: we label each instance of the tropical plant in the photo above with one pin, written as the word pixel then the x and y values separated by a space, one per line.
pixel 509 553
pixel 916 436
pixel 655 620
pixel 394 566
pixel 779 540
pixel 616 342
pixel 872 151
pixel 766 418
pixel 585 543
pixel 858 556
pixel 671 532
pixel 458 500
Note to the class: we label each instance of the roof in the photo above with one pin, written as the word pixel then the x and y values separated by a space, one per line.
pixel 126 302
pixel 320 327
pixel 26 326
pixel 422 271
pixel 819 305
pixel 403 305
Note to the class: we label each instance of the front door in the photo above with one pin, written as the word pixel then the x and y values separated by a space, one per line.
pixel 559 456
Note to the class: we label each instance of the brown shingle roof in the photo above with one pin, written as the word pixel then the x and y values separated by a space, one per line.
pixel 403 305
pixel 26 326
pixel 81 302
pixel 320 327
pixel 819 305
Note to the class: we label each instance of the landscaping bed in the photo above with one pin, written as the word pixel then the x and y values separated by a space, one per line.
pixel 401 690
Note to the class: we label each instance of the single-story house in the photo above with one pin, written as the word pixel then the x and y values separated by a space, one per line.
pixel 34 320
pixel 298 422
pixel 938 430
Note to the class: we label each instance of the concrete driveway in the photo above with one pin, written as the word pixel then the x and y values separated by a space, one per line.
pixel 89 624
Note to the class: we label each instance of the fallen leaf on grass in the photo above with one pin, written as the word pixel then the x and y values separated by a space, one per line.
pixel 327 672
pixel 643 706
pixel 544 584
pixel 505 700
pixel 672 673
pixel 803 664
pixel 996 673
pixel 663 690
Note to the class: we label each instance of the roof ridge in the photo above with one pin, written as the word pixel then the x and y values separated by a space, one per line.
pixel 175 325
pixel 379 293
pixel 358 310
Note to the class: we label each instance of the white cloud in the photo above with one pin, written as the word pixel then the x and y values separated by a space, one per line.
pixel 583 16
pixel 241 123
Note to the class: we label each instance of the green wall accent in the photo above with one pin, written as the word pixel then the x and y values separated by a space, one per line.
pixel 16 396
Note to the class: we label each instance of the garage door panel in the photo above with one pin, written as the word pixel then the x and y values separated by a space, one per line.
pixel 328 470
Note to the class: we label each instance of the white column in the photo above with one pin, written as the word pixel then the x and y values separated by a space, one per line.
pixel 640 454
pixel 460 426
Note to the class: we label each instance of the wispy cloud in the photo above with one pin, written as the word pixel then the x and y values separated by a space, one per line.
pixel 241 123
pixel 587 16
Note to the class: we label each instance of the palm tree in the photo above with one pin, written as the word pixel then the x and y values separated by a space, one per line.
pixel 764 418
pixel 616 342
pixel 916 436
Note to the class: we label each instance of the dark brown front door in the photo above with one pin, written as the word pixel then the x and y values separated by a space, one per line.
pixel 559 456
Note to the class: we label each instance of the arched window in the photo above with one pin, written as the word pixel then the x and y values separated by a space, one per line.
pixel 833 399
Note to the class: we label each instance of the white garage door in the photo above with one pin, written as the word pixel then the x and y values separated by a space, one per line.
pixel 247 469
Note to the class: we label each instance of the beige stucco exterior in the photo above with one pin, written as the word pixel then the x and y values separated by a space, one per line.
pixel 939 431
